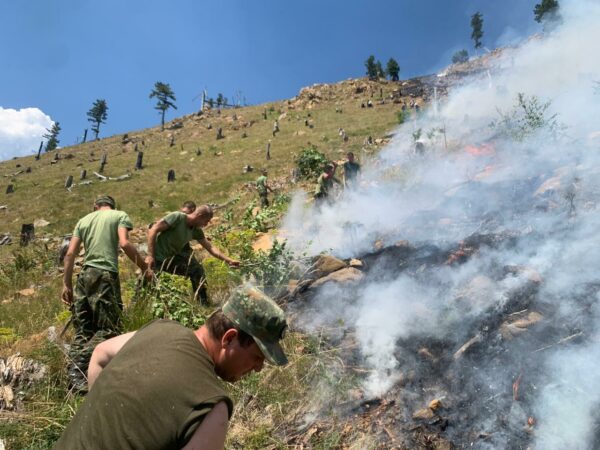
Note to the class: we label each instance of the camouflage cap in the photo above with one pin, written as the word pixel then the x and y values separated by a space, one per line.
pixel 258 315
pixel 107 200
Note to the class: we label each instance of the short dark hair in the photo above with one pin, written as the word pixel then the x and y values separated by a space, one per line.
pixel 189 205
pixel 218 324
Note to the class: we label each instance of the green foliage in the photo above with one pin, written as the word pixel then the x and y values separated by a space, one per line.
pixel 371 67
pixel 546 10
pixel 266 218
pixel 477 27
pixel 271 269
pixel 311 162
pixel 52 137
pixel 461 56
pixel 165 99
pixel 221 100
pixel 528 116
pixel 403 116
pixel 171 301
pixel 97 115
pixel 393 69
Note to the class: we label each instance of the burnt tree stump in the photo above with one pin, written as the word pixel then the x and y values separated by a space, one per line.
pixel 69 182
pixel 171 176
pixel 139 163
pixel 83 174
pixel 10 189
pixel 220 133
pixel 27 234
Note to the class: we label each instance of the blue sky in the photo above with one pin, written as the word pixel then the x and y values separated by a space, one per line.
pixel 58 56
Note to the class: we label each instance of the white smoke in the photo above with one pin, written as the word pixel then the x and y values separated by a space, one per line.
pixel 444 196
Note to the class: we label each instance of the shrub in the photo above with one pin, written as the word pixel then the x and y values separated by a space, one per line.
pixel 311 162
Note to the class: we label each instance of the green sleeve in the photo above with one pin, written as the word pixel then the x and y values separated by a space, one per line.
pixel 197 416
pixel 125 222
pixel 77 231
pixel 198 234
pixel 172 218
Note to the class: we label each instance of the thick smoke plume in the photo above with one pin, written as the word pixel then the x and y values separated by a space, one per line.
pixel 541 189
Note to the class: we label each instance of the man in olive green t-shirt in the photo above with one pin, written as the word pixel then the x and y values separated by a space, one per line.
pixel 263 188
pixel 96 303
pixel 157 388
pixel 168 237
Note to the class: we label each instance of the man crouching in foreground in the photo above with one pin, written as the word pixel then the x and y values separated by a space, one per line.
pixel 157 388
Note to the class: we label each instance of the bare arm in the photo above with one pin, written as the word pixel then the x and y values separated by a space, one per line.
pixel 158 227
pixel 69 261
pixel 217 253
pixel 104 353
pixel 210 434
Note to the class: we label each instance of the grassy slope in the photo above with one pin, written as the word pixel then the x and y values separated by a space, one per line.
pixel 205 178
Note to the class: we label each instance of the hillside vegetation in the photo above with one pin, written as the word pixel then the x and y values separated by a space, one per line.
pixel 208 170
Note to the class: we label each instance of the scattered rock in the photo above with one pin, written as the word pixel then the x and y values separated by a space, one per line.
pixel 357 263
pixel 326 264
pixel 346 275
pixel 519 323
pixel 28 292
pixel 40 223
pixel 423 414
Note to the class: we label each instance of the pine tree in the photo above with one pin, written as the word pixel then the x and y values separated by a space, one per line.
pixel 371 68
pixel 165 98
pixel 380 71
pixel 477 26
pixel 52 136
pixel 220 100
pixel 393 69
pixel 97 115
pixel 546 10
pixel 462 56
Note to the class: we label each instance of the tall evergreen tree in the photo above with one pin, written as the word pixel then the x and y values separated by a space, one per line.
pixel 97 115
pixel 371 67
pixel 165 98
pixel 546 10
pixel 393 69
pixel 461 56
pixel 380 71
pixel 220 100
pixel 52 136
pixel 477 26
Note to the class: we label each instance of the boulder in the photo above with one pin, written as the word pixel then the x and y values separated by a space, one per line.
pixel 345 275
pixel 519 323
pixel 326 264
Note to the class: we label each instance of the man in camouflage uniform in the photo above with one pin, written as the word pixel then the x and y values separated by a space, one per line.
pixel 263 188
pixel 167 239
pixel 325 184
pixel 180 399
pixel 96 302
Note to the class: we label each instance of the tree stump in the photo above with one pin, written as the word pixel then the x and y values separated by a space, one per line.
pixel 171 176
pixel 27 234
pixel 69 182
pixel 198 152
pixel 83 174
pixel 268 150
pixel 37 157
pixel 139 165
pixel 10 189
pixel 172 143
pixel 220 133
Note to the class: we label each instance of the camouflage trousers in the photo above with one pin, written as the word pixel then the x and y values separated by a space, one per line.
pixel 186 265
pixel 264 199
pixel 96 312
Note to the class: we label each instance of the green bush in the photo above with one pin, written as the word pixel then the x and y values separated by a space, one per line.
pixel 311 162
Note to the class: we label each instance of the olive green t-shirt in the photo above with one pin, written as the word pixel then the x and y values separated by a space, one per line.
pixel 324 184
pixel 171 241
pixel 261 184
pixel 152 395
pixel 99 234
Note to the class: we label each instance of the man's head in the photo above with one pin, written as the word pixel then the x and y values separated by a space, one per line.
pixel 264 172
pixel 201 216
pixel 103 201
pixel 188 207
pixel 350 156
pixel 330 168
pixel 249 329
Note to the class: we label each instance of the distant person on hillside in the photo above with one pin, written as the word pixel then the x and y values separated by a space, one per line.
pixel 167 239
pixel 325 185
pixel 159 387
pixel 96 302
pixel 263 188
pixel 351 172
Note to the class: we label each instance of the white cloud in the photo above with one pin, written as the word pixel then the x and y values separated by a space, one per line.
pixel 21 131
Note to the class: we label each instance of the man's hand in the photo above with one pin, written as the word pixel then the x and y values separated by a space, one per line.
pixel 150 262
pixel 149 274
pixel 67 295
pixel 233 263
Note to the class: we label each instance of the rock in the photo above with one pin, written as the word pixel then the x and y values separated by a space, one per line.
pixel 442 444
pixel 7 398
pixel 423 414
pixel 435 404
pixel 26 292
pixel 519 323
pixel 357 263
pixel 40 223
pixel 346 275
pixel 327 264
